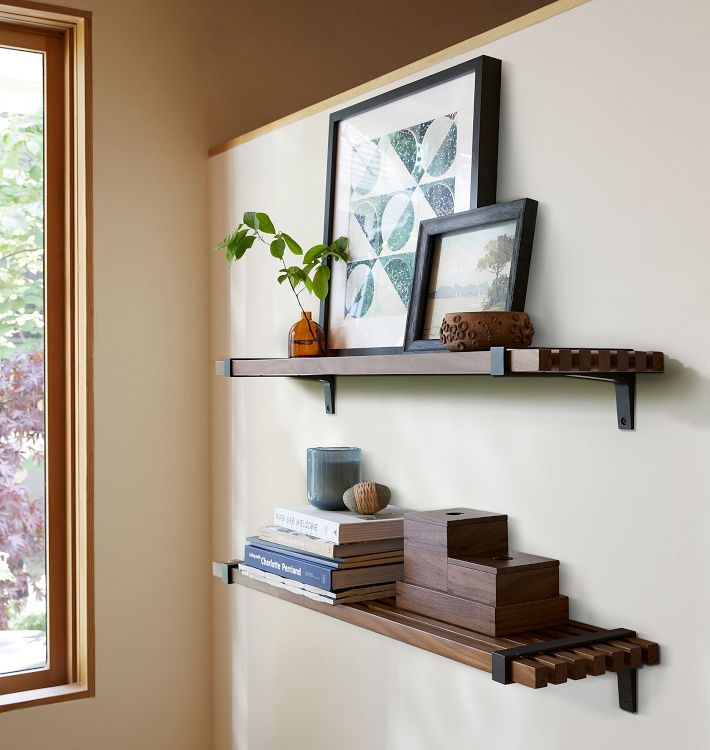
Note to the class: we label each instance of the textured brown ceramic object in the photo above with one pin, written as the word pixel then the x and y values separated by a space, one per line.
pixel 367 498
pixel 474 331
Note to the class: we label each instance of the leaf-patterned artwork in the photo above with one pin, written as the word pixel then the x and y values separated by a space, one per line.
pixel 406 155
pixel 397 180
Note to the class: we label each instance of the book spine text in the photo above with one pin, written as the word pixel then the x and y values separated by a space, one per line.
pixel 303 543
pixel 305 524
pixel 288 567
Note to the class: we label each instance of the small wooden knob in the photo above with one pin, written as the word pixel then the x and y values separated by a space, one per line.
pixel 367 498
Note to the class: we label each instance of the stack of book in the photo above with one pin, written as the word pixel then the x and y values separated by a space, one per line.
pixel 333 557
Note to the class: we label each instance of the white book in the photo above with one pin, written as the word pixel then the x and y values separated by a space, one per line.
pixel 342 526
pixel 378 548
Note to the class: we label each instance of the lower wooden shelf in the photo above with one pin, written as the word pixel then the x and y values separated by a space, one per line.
pixel 534 659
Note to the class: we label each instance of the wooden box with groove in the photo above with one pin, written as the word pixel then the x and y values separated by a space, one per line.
pixel 431 537
pixel 497 621
pixel 458 568
pixel 500 580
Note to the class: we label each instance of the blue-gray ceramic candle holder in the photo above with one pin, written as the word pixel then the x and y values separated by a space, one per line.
pixel 331 471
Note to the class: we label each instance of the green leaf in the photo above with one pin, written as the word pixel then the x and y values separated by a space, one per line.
pixel 250 219
pixel 314 253
pixel 232 246
pixel 293 246
pixel 282 277
pixel 340 245
pixel 295 276
pixel 277 248
pixel 309 284
pixel 231 237
pixel 265 223
pixel 242 245
pixel 320 282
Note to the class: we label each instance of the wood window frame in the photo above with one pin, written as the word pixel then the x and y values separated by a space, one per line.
pixel 64 36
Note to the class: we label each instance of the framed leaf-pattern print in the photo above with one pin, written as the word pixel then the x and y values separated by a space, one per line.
pixel 425 150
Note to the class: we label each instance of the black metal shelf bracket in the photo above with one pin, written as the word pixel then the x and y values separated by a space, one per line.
pixel 626 678
pixel 498 361
pixel 625 388
pixel 628 689
pixel 328 382
pixel 624 384
pixel 625 392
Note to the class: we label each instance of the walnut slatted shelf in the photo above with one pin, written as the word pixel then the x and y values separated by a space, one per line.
pixel 619 366
pixel 534 659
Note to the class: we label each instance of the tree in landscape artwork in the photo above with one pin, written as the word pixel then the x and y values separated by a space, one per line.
pixel 470 271
pixel 497 255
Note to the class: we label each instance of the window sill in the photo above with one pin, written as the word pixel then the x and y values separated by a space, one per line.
pixel 42 696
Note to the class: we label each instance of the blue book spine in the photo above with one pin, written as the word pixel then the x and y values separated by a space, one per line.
pixel 288 567
pixel 328 562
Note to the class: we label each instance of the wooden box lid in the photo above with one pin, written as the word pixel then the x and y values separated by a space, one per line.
pixel 454 516
pixel 511 562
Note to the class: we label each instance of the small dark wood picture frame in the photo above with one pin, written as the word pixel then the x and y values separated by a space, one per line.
pixel 523 212
pixel 483 145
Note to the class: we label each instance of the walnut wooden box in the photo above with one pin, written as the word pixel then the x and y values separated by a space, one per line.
pixel 431 537
pixel 497 621
pixel 501 580
pixel 458 568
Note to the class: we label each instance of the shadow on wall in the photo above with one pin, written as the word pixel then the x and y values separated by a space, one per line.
pixel 684 389
pixel 471 389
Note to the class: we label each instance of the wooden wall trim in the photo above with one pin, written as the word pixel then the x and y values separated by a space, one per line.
pixel 468 45
pixel 47 15
pixel 43 696
pixel 74 37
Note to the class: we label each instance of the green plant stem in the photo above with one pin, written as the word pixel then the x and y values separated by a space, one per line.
pixel 298 299
pixel 308 320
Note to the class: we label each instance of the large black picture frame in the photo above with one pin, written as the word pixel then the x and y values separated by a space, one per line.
pixel 484 150
pixel 523 212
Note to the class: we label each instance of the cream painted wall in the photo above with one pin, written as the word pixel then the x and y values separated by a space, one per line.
pixel 604 121
pixel 153 672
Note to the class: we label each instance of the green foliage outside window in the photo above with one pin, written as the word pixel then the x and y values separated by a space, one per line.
pixel 22 518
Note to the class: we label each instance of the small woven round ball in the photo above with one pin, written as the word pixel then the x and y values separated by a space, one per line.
pixel 367 498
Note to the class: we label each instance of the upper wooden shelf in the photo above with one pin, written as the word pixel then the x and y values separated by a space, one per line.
pixel 518 361
pixel 619 366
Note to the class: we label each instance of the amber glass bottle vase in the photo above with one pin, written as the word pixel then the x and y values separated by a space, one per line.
pixel 306 338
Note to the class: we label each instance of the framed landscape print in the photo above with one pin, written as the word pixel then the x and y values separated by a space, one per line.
pixel 469 262
pixel 425 150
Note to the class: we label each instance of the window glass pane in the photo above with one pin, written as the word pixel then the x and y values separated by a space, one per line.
pixel 23 582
